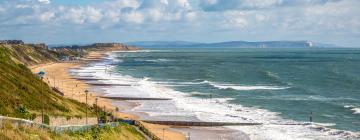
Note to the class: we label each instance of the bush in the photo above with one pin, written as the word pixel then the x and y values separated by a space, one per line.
pixel 33 116
pixel 22 112
pixel 68 118
pixel 46 119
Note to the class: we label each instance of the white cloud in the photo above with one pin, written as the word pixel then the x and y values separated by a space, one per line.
pixel 297 17
pixel 74 15
pixel 134 17
pixel 2 9
pixel 46 16
pixel 93 15
pixel 155 14
pixel 261 17
pixel 44 1
pixel 235 19
pixel 190 16
pixel 261 3
pixel 225 5
pixel 119 4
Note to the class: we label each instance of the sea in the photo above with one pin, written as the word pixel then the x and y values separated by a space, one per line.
pixel 296 93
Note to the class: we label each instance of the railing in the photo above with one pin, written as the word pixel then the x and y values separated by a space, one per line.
pixel 56 129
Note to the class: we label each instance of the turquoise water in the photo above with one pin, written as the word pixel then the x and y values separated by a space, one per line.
pixel 292 82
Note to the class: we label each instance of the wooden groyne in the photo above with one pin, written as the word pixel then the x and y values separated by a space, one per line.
pixel 195 123
pixel 85 76
pixel 133 98
pixel 103 84
pixel 91 79
pixel 84 72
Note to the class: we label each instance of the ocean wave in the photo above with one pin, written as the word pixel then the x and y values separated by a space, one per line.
pixel 158 60
pixel 137 51
pixel 222 86
pixel 305 98
pixel 244 87
pixel 239 87
pixel 133 51
pixel 356 110
pixel 174 82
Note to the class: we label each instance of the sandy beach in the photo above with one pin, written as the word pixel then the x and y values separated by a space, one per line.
pixel 57 74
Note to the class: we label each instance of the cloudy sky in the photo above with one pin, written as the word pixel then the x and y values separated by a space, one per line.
pixel 88 21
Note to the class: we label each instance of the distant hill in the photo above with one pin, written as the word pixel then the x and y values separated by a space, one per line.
pixel 231 44
pixel 110 47
pixel 163 43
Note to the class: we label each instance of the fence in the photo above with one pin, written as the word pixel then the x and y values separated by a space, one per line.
pixel 56 129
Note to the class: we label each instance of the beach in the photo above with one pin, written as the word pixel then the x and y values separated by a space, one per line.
pixel 57 74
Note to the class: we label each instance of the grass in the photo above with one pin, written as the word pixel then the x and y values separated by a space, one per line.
pixel 23 94
pixel 23 132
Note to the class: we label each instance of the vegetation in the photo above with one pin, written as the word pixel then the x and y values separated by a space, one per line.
pixel 22 93
pixel 24 132
pixel 29 55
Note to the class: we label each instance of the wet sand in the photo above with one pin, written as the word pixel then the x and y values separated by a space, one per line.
pixel 212 133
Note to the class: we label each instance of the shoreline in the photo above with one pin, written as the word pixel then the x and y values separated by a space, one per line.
pixel 58 74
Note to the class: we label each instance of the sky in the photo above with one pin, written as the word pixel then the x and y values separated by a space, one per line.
pixel 88 21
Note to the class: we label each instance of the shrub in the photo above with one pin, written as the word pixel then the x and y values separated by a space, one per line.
pixel 33 116
pixel 68 118
pixel 46 119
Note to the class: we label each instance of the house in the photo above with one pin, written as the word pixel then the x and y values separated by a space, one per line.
pixel 12 42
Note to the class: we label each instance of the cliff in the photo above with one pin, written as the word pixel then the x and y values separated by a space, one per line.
pixel 110 47
pixel 29 54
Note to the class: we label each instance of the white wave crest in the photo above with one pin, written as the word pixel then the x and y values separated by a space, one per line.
pixel 158 60
pixel 356 110
pixel 245 87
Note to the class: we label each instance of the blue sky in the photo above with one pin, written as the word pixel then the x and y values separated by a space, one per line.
pixel 87 21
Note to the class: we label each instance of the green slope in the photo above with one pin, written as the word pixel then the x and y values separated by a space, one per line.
pixel 20 89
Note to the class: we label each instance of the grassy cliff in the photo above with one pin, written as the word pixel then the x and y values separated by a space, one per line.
pixel 21 91
pixel 29 55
